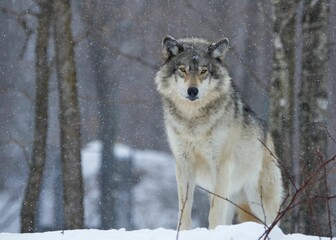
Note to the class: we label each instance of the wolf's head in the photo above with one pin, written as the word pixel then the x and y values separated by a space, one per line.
pixel 193 70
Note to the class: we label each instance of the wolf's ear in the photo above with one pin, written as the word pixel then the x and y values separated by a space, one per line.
pixel 171 47
pixel 217 50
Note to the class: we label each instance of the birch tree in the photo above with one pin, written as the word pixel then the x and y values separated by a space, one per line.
pixel 29 207
pixel 69 116
pixel 313 215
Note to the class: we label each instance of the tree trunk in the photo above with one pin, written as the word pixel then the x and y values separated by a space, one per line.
pixel 69 117
pixel 107 103
pixel 282 97
pixel 312 116
pixel 28 212
pixel 107 113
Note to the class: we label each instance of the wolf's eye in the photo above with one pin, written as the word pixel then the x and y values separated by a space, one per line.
pixel 182 69
pixel 204 71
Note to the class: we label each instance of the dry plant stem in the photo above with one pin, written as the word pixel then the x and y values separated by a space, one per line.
pixel 293 203
pixel 325 175
pixel 234 204
pixel 268 228
pixel 310 181
pixel 328 133
pixel 278 163
pixel 182 210
pixel 115 50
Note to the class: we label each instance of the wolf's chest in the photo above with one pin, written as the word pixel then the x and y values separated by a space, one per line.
pixel 192 129
pixel 204 139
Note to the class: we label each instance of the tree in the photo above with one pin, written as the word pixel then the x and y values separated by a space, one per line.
pixel 313 215
pixel 113 177
pixel 29 207
pixel 69 116
pixel 282 95
pixel 106 104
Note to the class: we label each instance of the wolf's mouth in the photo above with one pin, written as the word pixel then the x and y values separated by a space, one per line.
pixel 192 98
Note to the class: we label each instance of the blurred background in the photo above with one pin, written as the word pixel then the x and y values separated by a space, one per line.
pixel 117 48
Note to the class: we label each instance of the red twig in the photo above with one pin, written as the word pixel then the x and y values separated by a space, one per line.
pixel 312 179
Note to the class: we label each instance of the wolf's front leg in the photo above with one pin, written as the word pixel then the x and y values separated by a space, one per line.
pixel 185 179
pixel 221 212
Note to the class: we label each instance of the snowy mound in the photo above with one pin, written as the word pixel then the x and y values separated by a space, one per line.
pixel 245 231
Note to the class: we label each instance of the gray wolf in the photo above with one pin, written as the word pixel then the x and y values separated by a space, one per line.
pixel 217 140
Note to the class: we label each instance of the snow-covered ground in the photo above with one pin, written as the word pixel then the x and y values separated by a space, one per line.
pixel 245 231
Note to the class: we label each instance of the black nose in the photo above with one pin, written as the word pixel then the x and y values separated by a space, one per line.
pixel 192 91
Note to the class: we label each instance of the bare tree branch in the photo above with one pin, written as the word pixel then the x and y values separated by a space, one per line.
pixel 134 58
pixel 312 179
pixel 5 90
pixel 327 131
pixel 279 164
pixel 234 204
pixel 21 18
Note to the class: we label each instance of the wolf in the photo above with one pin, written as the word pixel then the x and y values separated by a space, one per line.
pixel 217 140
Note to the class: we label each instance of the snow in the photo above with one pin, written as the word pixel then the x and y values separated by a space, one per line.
pixel 91 155
pixel 322 103
pixel 283 102
pixel 277 42
pixel 245 231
